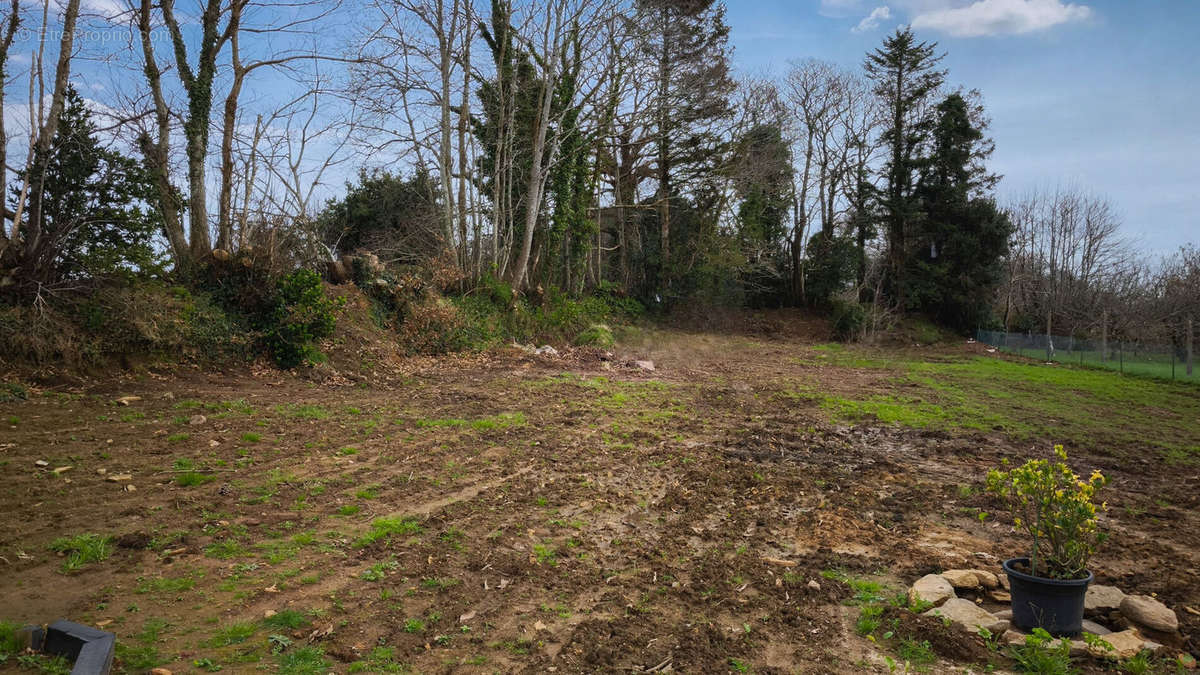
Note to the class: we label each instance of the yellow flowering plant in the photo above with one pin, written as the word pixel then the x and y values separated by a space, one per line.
pixel 1056 508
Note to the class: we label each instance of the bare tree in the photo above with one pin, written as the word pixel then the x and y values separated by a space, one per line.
pixel 1068 263
pixel 835 125
pixel 10 24
pixel 36 245
pixel 414 85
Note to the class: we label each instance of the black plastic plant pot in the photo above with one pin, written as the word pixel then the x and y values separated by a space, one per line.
pixel 1055 605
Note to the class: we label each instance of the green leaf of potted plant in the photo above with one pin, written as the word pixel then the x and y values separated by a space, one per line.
pixel 1055 507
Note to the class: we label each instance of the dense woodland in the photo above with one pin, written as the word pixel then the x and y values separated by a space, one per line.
pixel 544 152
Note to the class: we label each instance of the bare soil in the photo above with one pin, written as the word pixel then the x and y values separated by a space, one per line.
pixel 575 513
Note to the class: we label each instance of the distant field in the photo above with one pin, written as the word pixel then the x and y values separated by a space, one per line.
pixel 1099 410
pixel 1142 364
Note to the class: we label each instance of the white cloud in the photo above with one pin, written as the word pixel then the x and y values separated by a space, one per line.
pixel 995 17
pixel 871 21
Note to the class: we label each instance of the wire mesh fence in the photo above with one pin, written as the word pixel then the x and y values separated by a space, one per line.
pixel 1133 358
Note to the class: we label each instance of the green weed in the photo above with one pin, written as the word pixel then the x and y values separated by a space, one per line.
pixel 82 550
pixel 386 528
pixel 288 619
pixel 233 634
pixel 303 661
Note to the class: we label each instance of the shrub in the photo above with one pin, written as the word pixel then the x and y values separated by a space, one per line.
pixel 847 318
pixel 596 335
pixel 431 325
pixel 12 391
pixel 302 316
pixel 1054 507
pixel 925 333
pixel 146 318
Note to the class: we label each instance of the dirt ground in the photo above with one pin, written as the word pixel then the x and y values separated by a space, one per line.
pixel 508 512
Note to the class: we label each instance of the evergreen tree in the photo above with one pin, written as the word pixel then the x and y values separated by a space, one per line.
pixel 906 78
pixel 509 103
pixel 96 207
pixel 394 216
pixel 686 42
pixel 955 266
pixel 571 186
pixel 762 180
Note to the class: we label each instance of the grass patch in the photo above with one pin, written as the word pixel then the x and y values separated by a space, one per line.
pixel 495 422
pixel 82 550
pixel 379 570
pixel 10 644
pixel 288 619
pixel 225 549
pixel 193 478
pixel 303 411
pixel 234 633
pixel 917 654
pixel 303 661
pixel 545 554
pixel 141 653
pixel 386 528
pixel 169 585
pixel 380 660
pixel 438 584
pixel 1088 408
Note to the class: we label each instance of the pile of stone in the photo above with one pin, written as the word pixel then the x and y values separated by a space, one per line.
pixel 990 610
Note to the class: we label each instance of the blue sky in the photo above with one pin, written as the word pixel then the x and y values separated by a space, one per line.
pixel 1100 95
pixel 1103 95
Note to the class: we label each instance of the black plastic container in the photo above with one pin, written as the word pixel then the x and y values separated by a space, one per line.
pixel 1055 605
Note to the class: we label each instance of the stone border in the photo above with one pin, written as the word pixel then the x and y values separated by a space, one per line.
pixel 1135 611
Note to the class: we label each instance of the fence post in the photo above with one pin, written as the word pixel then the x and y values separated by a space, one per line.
pixel 1104 336
pixel 1121 352
pixel 1190 337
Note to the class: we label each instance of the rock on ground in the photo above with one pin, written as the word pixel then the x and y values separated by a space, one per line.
pixel 967 615
pixel 1146 611
pixel 1125 644
pixel 999 596
pixel 931 588
pixel 961 578
pixel 1095 628
pixel 987 579
pixel 1102 598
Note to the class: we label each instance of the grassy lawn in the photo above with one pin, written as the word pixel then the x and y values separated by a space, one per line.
pixel 1144 364
pixel 1103 411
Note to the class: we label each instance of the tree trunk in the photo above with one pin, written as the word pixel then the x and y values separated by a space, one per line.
pixel 41 156
pixel 225 200
pixel 1190 341
pixel 156 153
pixel 464 169
pixel 14 19
pixel 534 190
pixel 445 55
